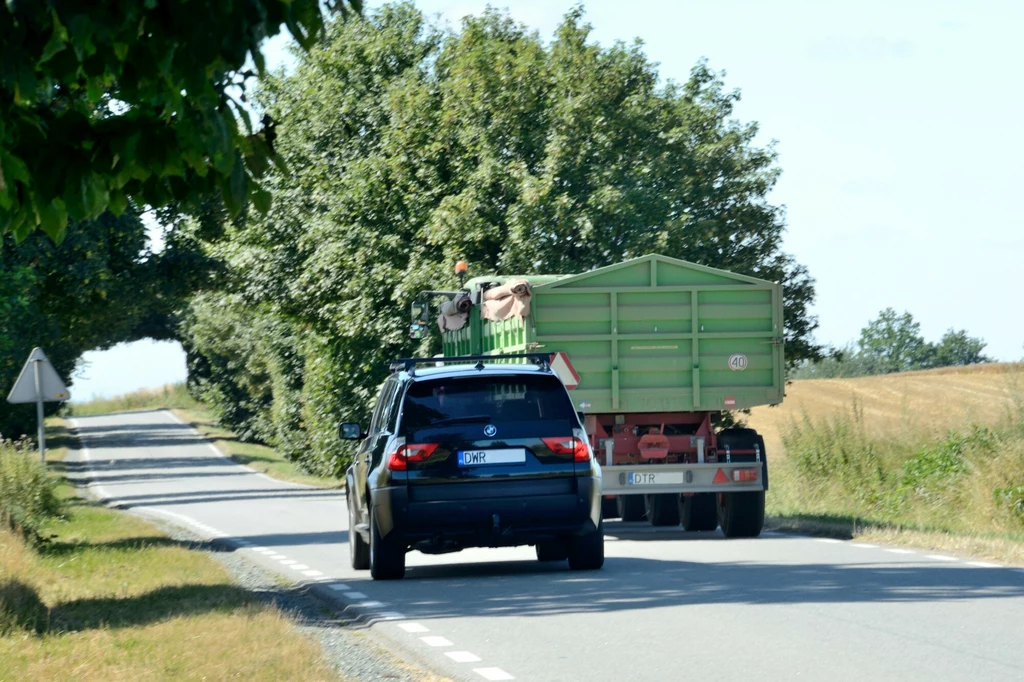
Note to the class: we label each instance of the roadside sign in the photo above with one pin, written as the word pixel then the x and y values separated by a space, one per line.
pixel 50 384
pixel 39 383
pixel 561 366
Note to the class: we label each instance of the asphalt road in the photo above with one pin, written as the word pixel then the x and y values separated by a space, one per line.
pixel 668 605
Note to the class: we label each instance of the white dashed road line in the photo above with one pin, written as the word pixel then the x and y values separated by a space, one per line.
pixel 983 564
pixel 360 600
pixel 435 640
pixel 901 551
pixel 940 557
pixel 462 656
pixel 863 545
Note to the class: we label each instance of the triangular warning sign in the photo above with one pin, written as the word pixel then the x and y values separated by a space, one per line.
pixel 51 386
pixel 720 477
pixel 561 366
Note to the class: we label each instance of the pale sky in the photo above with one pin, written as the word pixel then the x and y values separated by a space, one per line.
pixel 900 141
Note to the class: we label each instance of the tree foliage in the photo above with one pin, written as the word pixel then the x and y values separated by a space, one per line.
pixel 893 343
pixel 412 147
pixel 103 103
pixel 87 293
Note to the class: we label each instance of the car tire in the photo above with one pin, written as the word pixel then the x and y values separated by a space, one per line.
pixel 698 512
pixel 552 550
pixel 741 515
pixel 358 548
pixel 630 507
pixel 609 507
pixel 387 560
pixel 662 509
pixel 586 552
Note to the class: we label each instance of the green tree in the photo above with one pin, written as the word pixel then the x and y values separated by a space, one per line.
pixel 893 343
pixel 100 287
pixel 102 103
pixel 957 348
pixel 412 147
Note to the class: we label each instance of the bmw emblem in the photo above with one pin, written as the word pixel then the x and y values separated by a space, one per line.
pixel 490 430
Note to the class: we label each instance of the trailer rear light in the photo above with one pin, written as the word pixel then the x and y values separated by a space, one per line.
pixel 744 475
pixel 399 459
pixel 568 445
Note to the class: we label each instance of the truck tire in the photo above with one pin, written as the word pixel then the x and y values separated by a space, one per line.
pixel 609 508
pixel 631 507
pixel 662 509
pixel 358 549
pixel 698 512
pixel 586 552
pixel 387 559
pixel 741 515
pixel 552 550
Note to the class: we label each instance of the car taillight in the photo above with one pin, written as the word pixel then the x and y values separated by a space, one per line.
pixel 403 454
pixel 568 445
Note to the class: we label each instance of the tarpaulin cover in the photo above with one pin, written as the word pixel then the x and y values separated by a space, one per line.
pixel 511 299
pixel 454 313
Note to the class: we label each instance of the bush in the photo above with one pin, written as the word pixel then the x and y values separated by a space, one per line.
pixel 27 494
pixel 965 480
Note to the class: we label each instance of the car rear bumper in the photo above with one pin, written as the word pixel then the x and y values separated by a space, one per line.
pixel 448 517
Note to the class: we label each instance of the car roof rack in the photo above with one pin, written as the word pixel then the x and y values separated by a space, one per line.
pixel 543 360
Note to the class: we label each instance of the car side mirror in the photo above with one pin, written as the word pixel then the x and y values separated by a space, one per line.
pixel 350 431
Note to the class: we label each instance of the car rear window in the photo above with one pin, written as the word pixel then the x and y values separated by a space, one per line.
pixel 500 399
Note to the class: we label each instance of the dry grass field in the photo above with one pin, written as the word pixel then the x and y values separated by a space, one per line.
pixel 928 401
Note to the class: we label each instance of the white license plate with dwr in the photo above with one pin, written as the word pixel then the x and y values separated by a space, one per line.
pixel 472 458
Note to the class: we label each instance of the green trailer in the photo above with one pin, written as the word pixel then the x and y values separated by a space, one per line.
pixel 653 350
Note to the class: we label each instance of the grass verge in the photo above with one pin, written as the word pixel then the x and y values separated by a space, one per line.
pixel 958 489
pixel 176 398
pixel 108 596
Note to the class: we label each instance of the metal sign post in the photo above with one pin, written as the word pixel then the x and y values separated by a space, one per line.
pixel 39 410
pixel 43 385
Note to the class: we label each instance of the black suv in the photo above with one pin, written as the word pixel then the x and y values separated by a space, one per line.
pixel 472 455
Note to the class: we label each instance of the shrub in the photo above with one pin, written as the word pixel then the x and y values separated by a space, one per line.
pixel 27 494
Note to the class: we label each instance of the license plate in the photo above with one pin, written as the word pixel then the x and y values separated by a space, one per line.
pixel 472 458
pixel 653 478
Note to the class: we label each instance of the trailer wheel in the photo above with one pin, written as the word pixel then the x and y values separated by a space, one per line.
pixel 630 507
pixel 661 509
pixel 698 512
pixel 609 508
pixel 741 515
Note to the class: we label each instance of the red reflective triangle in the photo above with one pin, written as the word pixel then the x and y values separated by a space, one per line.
pixel 720 477
pixel 561 366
